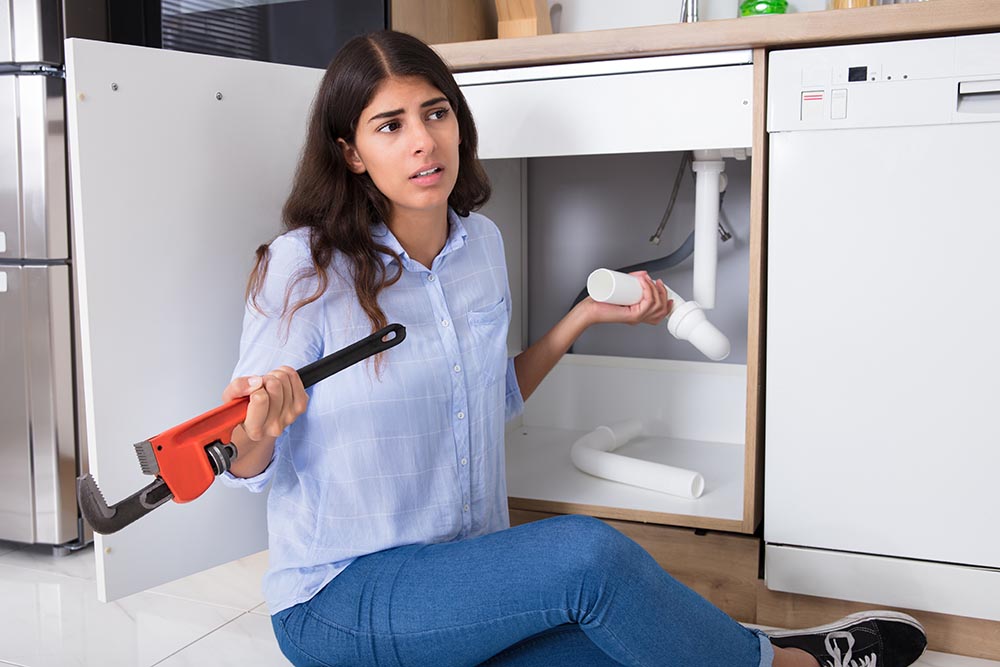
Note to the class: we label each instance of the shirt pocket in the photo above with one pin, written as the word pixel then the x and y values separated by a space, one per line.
pixel 488 348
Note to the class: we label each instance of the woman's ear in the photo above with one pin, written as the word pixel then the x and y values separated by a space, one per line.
pixel 351 157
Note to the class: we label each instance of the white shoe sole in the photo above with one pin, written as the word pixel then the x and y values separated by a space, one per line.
pixel 850 620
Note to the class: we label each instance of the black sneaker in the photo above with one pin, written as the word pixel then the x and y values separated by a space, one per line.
pixel 865 639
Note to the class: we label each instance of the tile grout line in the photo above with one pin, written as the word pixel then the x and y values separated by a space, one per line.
pixel 27 549
pixel 36 570
pixel 175 596
pixel 195 641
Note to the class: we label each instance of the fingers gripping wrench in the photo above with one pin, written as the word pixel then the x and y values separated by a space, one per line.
pixel 187 458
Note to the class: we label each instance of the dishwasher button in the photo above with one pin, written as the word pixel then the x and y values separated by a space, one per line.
pixel 813 105
pixel 838 104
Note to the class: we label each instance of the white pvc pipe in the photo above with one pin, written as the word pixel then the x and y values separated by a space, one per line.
pixel 686 321
pixel 614 287
pixel 593 454
pixel 706 224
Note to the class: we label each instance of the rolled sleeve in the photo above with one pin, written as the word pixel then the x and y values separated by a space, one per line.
pixel 257 483
pixel 513 402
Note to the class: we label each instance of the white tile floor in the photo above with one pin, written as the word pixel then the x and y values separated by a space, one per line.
pixel 50 617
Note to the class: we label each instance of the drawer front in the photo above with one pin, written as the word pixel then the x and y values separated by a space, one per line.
pixel 637 112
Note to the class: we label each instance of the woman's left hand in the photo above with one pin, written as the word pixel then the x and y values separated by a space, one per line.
pixel 654 306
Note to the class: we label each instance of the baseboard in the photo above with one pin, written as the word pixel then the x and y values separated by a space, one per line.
pixel 960 635
pixel 946 588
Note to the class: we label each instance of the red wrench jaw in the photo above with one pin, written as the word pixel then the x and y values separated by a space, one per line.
pixel 105 519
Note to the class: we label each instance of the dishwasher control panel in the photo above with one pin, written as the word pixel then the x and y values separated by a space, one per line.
pixel 888 84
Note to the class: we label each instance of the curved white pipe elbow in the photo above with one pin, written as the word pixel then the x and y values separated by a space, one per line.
pixel 686 321
pixel 594 455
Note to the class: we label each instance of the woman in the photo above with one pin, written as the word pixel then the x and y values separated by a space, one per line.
pixel 387 515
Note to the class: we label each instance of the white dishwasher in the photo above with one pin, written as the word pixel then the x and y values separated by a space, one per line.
pixel 882 431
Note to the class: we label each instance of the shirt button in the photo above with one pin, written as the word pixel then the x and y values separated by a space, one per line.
pixel 464 460
pixel 465 508
pixel 461 415
pixel 456 368
pixel 444 323
pixel 430 277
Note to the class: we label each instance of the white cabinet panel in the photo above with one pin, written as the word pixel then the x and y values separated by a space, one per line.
pixel 636 112
pixel 180 165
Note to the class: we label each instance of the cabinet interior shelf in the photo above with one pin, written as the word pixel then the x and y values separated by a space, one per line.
pixel 539 469
pixel 693 416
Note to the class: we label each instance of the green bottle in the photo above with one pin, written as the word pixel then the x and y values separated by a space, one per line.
pixel 760 7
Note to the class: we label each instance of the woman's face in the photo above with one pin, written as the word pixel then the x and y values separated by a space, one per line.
pixel 407 140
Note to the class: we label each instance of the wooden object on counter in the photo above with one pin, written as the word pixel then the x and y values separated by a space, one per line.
pixel 719 566
pixel 522 18
pixel 902 21
pixel 443 21
pixel 948 634
pixel 852 4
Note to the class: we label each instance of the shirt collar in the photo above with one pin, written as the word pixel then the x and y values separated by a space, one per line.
pixel 457 236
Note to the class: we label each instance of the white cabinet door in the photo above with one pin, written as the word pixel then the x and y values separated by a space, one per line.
pixel 882 329
pixel 180 164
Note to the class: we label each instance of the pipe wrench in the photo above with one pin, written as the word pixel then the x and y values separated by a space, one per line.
pixel 186 458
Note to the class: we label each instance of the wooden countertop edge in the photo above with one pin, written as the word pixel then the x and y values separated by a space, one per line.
pixel 937 17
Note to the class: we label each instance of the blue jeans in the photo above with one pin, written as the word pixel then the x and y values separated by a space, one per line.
pixel 568 590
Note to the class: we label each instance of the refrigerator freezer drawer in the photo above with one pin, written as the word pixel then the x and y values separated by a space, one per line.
pixel 37 425
pixel 33 210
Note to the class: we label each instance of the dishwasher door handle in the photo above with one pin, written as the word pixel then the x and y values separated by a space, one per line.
pixel 979 96
pixel 978 87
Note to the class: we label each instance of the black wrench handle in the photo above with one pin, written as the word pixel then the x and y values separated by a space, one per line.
pixel 352 354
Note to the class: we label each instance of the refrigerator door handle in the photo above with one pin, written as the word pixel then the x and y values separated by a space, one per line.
pixel 38 26
pixel 10 171
pixel 48 350
pixel 17 508
pixel 43 167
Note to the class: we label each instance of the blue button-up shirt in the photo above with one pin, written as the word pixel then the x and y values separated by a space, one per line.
pixel 410 452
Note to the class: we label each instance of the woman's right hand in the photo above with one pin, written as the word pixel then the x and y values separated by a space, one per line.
pixel 276 400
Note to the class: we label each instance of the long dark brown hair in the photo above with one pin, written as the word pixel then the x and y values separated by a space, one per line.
pixel 340 207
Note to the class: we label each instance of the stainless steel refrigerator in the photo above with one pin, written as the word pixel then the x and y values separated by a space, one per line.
pixel 39 451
